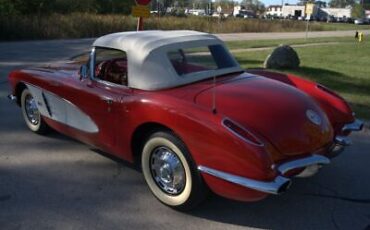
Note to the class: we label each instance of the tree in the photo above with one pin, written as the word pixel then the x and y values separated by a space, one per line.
pixel 115 6
pixel 254 5
pixel 70 6
pixel 199 4
pixel 358 11
pixel 7 8
pixel 366 4
pixel 341 3
pixel 304 2
pixel 38 7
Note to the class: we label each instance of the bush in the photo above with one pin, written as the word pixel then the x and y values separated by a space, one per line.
pixel 82 25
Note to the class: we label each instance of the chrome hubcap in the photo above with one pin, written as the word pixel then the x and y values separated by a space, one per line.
pixel 32 112
pixel 167 171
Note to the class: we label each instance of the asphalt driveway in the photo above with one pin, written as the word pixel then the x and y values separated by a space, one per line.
pixel 53 182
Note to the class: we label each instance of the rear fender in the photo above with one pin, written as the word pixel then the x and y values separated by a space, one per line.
pixel 335 107
pixel 210 143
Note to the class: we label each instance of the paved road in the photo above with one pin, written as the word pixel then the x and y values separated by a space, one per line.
pixel 291 35
pixel 53 182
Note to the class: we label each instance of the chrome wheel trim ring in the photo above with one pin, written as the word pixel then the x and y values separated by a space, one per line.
pixel 167 171
pixel 32 112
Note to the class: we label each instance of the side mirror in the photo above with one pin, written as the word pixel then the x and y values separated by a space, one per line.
pixel 83 72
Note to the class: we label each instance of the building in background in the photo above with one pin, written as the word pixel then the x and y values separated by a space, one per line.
pixel 274 11
pixel 319 12
pixel 367 14
pixel 288 11
pixel 293 11
pixel 338 13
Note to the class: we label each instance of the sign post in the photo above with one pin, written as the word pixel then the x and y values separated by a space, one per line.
pixel 219 10
pixel 308 11
pixel 141 11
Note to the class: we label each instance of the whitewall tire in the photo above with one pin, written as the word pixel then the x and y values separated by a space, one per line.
pixel 170 172
pixel 31 114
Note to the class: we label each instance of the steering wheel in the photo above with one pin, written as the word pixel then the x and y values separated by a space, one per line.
pixel 112 71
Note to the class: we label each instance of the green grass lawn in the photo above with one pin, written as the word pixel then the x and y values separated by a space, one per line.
pixel 272 43
pixel 343 67
pixel 342 26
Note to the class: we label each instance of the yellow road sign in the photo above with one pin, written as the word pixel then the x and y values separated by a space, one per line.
pixel 309 8
pixel 140 11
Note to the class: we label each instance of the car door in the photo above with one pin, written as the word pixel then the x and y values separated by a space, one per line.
pixel 101 96
pixel 104 103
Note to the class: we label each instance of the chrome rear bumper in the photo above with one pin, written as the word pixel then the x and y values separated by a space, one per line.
pixel 303 163
pixel 279 185
pixel 340 142
pixel 12 97
pixel 357 125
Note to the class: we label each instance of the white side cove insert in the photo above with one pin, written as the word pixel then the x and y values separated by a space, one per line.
pixel 61 110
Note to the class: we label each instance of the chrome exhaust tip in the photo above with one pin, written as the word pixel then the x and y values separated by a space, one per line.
pixel 340 142
pixel 335 150
pixel 343 140
pixel 309 171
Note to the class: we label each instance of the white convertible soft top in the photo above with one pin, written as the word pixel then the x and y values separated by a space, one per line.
pixel 149 68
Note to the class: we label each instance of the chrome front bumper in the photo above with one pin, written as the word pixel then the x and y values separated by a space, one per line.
pixel 310 164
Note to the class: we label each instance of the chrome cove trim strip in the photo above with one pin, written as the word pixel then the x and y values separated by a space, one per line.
pixel 302 163
pixel 61 110
pixel 357 125
pixel 277 186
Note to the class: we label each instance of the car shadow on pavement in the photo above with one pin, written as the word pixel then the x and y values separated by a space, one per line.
pixel 338 197
pixel 88 185
pixel 294 210
pixel 333 199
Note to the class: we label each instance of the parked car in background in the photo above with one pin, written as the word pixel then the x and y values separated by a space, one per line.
pixel 246 14
pixel 330 19
pixel 348 20
pixel 360 21
pixel 180 106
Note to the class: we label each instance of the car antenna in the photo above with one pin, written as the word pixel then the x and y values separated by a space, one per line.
pixel 214 110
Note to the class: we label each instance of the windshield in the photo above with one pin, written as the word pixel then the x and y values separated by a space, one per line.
pixel 188 61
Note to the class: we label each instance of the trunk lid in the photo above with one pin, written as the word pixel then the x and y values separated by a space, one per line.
pixel 276 111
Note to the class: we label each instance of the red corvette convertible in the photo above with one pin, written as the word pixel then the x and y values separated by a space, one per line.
pixel 178 104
